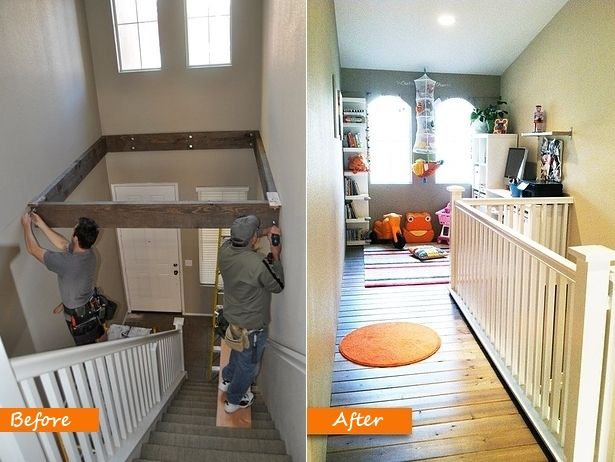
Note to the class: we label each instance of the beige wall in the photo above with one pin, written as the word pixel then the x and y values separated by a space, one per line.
pixel 189 169
pixel 49 117
pixel 568 68
pixel 325 225
pixel 175 98
pixel 283 130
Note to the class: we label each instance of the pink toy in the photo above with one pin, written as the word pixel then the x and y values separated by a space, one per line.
pixel 444 217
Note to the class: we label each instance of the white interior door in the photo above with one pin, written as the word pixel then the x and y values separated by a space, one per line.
pixel 150 257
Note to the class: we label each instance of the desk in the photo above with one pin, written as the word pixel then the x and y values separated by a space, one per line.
pixel 505 193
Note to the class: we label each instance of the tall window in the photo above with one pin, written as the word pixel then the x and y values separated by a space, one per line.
pixel 136 34
pixel 390 125
pixel 208 237
pixel 453 133
pixel 208 31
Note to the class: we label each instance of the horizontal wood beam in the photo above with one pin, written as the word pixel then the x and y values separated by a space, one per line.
pixel 154 215
pixel 68 181
pixel 180 141
pixel 264 171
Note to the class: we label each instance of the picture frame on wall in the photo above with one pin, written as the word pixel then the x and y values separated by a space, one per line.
pixel 551 160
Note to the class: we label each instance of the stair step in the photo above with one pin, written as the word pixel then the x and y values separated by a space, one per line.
pixel 221 444
pixel 258 406
pixel 256 414
pixel 222 432
pixel 208 420
pixel 181 454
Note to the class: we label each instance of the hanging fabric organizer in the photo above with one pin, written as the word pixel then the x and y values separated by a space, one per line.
pixel 425 141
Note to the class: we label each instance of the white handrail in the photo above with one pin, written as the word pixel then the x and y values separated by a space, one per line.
pixel 542 319
pixel 130 381
pixel 36 364
pixel 550 258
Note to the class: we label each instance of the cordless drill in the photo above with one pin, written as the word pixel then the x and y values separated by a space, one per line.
pixel 275 238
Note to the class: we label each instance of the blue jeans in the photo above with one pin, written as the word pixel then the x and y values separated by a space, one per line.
pixel 244 366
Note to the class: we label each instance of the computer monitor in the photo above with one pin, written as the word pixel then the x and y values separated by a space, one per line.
pixel 515 164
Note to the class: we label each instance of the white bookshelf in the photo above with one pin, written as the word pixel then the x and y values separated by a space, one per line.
pixel 356 185
pixel 489 155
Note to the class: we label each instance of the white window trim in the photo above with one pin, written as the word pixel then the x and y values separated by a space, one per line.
pixel 208 237
pixel 201 66
pixel 118 54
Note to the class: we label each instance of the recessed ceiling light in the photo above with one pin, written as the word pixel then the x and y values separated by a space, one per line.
pixel 446 19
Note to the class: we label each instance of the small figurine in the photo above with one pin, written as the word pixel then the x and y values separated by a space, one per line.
pixel 500 126
pixel 539 119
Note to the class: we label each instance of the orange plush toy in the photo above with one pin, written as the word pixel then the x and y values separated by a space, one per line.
pixel 418 228
pixel 389 228
pixel 356 164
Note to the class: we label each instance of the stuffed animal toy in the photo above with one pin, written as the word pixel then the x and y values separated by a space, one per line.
pixel 356 164
pixel 389 229
pixel 418 227
pixel 422 168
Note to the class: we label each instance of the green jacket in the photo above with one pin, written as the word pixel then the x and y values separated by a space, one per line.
pixel 249 281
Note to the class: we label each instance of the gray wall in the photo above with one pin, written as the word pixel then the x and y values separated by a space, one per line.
pixel 49 117
pixel 418 196
pixel 325 210
pixel 283 128
pixel 189 169
pixel 177 98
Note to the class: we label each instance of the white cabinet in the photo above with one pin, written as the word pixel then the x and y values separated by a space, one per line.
pixel 356 184
pixel 489 155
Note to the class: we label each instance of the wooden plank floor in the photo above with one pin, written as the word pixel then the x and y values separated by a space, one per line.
pixel 460 408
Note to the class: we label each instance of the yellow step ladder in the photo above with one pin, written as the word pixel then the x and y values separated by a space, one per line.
pixel 215 341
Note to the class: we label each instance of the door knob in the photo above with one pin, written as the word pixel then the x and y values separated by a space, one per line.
pixel 175 272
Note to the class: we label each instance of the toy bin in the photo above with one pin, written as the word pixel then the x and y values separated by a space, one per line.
pixel 444 217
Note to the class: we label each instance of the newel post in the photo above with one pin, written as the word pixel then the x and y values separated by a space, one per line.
pixel 456 194
pixel 584 353
pixel 179 325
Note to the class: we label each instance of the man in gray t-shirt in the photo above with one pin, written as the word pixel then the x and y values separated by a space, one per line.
pixel 75 265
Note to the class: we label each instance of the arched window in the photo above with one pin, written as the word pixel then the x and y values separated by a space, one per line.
pixel 453 135
pixel 390 126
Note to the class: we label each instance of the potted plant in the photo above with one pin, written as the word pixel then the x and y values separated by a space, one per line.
pixel 483 119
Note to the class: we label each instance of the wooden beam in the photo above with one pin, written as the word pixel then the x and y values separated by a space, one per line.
pixel 68 181
pixel 154 215
pixel 264 171
pixel 180 141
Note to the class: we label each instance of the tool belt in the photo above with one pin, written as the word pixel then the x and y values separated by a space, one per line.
pixel 85 323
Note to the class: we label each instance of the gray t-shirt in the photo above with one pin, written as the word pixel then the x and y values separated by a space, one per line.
pixel 76 273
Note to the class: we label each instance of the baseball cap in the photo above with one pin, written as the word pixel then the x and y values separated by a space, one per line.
pixel 243 228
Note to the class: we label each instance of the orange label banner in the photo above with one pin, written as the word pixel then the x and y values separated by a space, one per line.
pixel 49 419
pixel 359 421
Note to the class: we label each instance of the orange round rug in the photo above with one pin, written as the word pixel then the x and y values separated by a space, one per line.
pixel 390 344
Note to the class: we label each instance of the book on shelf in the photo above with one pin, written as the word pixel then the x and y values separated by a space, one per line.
pixel 352 140
pixel 354 119
pixel 350 187
pixel 350 212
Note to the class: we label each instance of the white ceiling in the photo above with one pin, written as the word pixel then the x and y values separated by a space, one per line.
pixel 404 35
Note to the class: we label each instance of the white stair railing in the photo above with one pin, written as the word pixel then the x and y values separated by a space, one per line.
pixel 541 219
pixel 542 319
pixel 130 381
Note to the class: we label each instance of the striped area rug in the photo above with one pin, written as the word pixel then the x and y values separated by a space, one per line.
pixel 386 266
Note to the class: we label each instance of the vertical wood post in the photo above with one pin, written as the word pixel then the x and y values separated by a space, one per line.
pixel 584 352
pixel 179 325
pixel 456 193
pixel 15 446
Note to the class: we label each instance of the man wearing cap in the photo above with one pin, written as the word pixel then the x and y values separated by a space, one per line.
pixel 249 280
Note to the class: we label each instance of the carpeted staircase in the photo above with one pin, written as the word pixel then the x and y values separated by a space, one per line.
pixel 188 432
